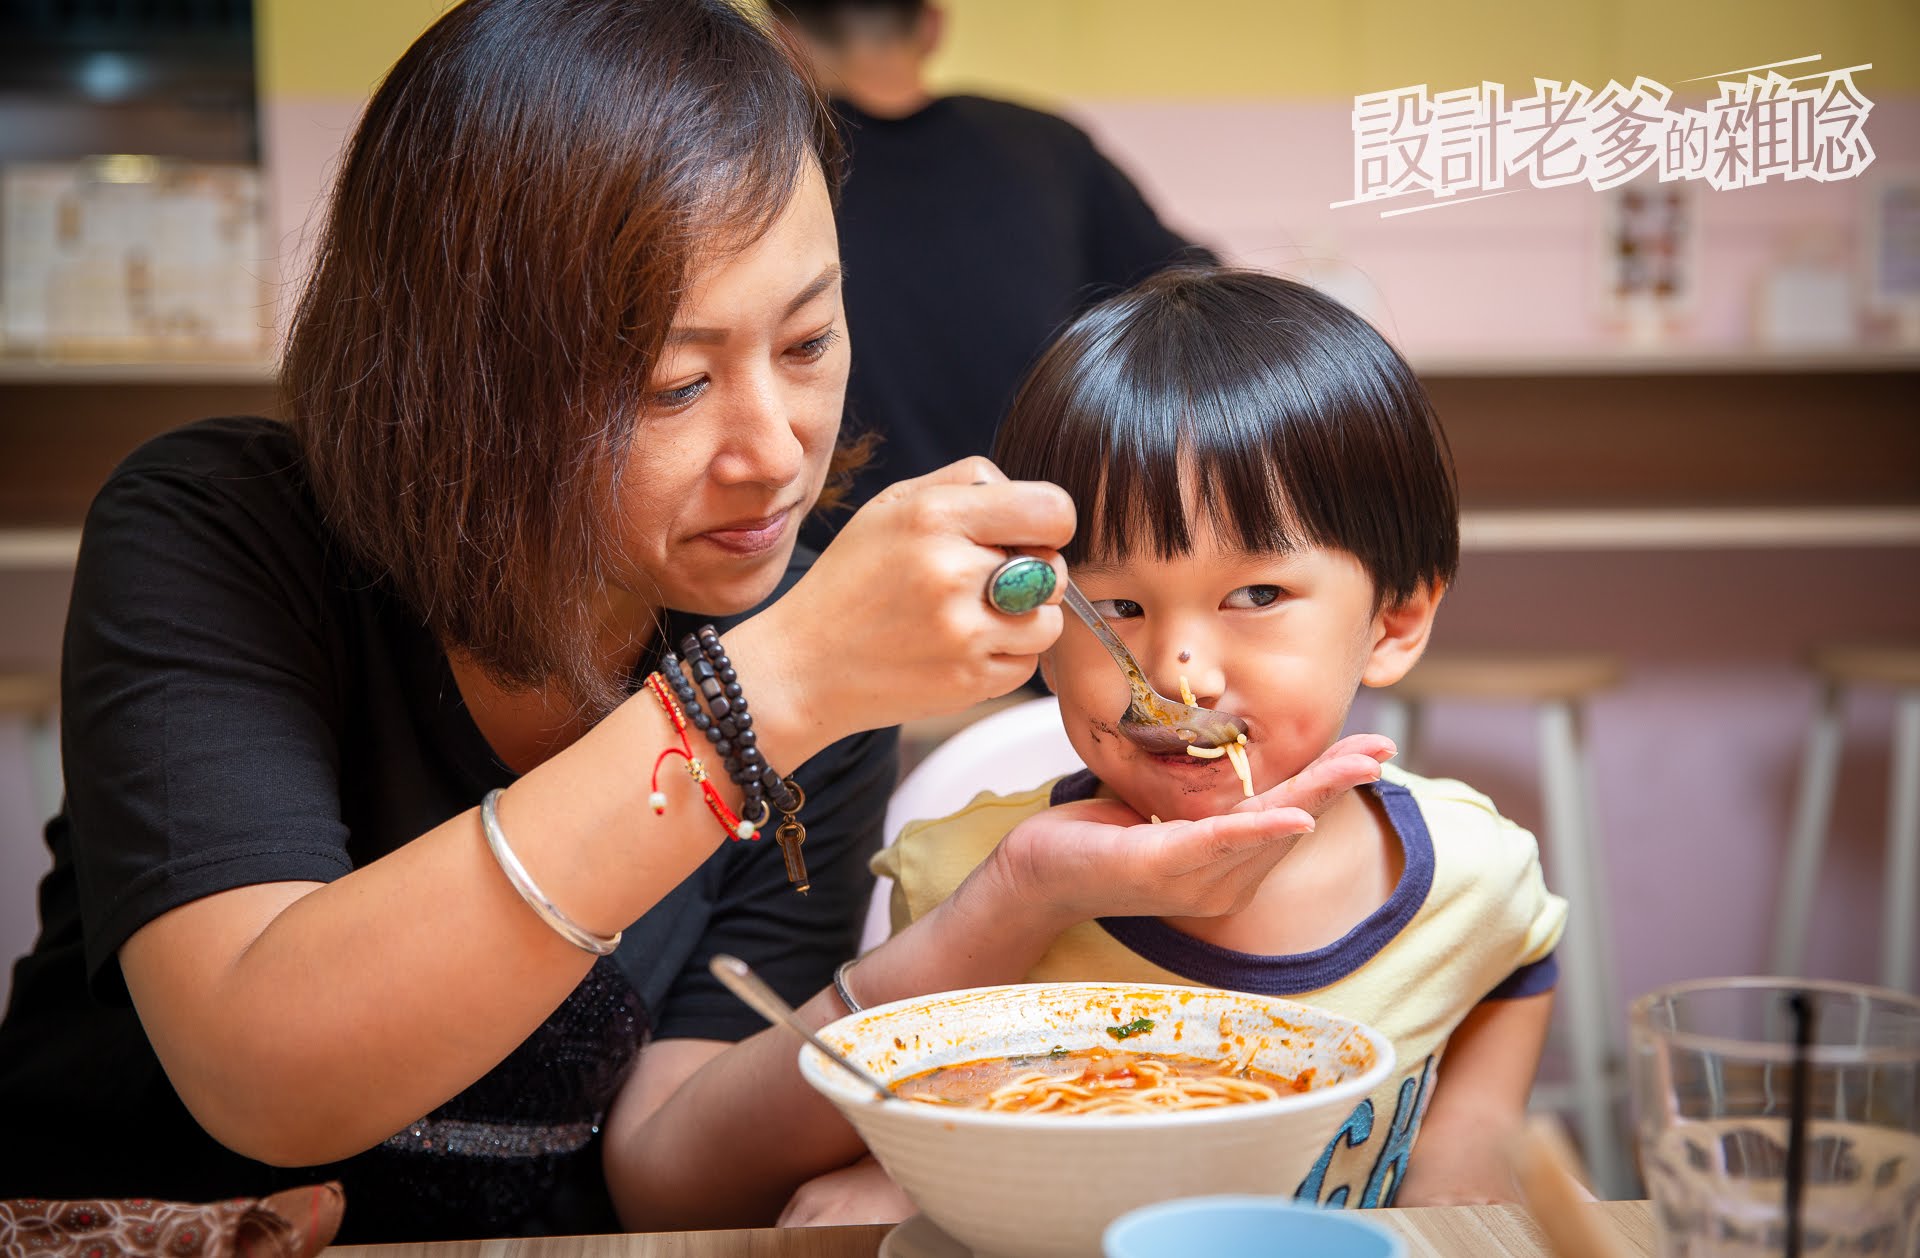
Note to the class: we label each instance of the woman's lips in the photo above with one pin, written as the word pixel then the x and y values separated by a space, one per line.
pixel 750 537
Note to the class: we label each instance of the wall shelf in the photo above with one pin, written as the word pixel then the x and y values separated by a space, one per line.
pixel 21 369
pixel 1589 361
pixel 38 549
pixel 1585 361
pixel 1688 528
pixel 1481 531
pixel 1579 362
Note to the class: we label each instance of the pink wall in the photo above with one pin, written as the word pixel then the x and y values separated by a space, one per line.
pixel 1696 757
pixel 1514 274
pixel 301 138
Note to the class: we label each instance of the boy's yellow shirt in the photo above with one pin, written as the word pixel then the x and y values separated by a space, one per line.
pixel 1470 920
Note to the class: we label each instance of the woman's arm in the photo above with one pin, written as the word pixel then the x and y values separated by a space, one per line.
pixel 1479 1102
pixel 305 1022
pixel 302 1022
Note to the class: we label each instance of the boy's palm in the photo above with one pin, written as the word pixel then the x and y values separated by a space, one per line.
pixel 1097 858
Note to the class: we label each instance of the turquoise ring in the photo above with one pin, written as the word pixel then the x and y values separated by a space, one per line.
pixel 1020 585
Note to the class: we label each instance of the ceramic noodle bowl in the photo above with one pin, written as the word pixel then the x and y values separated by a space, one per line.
pixel 1014 1185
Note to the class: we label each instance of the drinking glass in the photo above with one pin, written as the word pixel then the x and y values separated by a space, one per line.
pixel 1749 1091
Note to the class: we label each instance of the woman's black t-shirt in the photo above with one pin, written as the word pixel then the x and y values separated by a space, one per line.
pixel 241 705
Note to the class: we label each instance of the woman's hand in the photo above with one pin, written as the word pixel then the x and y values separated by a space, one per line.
pixel 892 622
pixel 861 1193
pixel 1097 858
pixel 1352 761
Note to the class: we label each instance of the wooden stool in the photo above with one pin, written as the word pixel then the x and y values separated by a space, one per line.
pixel 1895 668
pixel 34 700
pixel 1557 686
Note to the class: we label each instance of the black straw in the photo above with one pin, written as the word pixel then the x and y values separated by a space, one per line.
pixel 1801 1006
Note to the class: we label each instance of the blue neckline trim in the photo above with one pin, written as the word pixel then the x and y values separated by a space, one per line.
pixel 1291 974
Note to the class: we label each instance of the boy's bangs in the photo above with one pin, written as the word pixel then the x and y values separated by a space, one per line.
pixel 1152 504
pixel 1217 469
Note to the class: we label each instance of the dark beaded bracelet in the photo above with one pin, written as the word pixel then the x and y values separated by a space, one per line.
pixel 683 691
pixel 732 730
pixel 708 689
pixel 733 738
pixel 726 703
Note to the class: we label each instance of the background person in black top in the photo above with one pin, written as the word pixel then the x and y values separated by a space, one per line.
pixel 567 375
pixel 971 230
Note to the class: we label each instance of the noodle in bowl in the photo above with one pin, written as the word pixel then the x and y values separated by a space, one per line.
pixel 1066 1154
pixel 1098 1081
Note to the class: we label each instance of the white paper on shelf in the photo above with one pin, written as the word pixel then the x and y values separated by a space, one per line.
pixel 165 260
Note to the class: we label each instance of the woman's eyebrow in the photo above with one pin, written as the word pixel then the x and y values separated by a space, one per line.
pixel 715 336
pixel 820 284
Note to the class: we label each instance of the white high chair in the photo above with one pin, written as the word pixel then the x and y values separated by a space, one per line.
pixel 1014 749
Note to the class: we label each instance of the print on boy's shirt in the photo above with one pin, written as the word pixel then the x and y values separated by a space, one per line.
pixel 1355 1140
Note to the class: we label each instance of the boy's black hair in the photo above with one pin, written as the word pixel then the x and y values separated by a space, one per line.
pixel 827 19
pixel 1268 408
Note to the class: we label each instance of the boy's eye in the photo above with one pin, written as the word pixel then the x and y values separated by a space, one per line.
pixel 1254 596
pixel 1118 608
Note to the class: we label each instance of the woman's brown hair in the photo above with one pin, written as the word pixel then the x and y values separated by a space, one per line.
pixel 512 228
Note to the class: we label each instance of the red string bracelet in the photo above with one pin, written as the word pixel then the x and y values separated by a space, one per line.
pixel 735 827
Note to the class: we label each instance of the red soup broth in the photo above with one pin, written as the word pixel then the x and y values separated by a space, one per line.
pixel 1102 1070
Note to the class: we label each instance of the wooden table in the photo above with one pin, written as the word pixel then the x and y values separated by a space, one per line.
pixel 1438 1232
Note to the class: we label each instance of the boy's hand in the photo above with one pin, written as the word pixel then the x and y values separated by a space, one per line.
pixel 861 1193
pixel 1469 1171
pixel 1096 858
pixel 1464 1151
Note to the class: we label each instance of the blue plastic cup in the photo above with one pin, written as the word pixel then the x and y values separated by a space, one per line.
pixel 1246 1227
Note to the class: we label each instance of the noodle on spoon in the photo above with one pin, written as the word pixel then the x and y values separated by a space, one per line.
pixel 1235 752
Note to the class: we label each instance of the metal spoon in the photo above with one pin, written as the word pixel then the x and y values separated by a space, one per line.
pixel 1154 722
pixel 750 987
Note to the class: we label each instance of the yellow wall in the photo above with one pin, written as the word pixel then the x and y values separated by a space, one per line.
pixel 334 47
pixel 1209 49
pixel 1213 49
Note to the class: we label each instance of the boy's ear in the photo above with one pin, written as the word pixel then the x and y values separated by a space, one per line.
pixel 1400 634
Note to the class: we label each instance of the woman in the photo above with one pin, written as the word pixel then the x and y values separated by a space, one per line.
pixel 566 377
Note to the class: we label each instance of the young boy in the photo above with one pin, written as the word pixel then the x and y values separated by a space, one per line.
pixel 1268 516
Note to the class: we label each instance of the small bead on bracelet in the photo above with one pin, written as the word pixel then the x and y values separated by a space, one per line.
pixel 736 827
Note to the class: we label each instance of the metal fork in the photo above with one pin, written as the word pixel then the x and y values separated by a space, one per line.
pixel 1153 721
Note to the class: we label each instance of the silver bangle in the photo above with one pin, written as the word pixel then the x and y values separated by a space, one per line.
pixel 563 926
pixel 840 986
